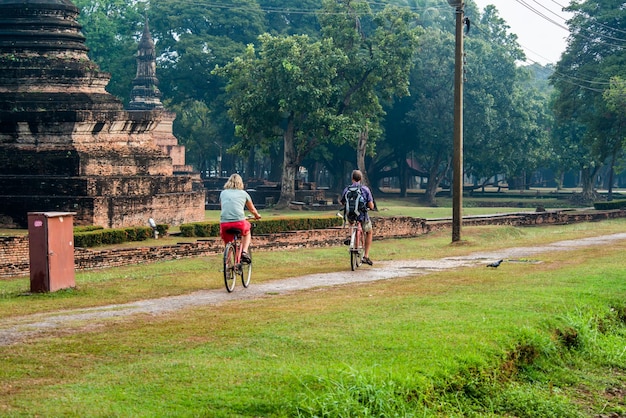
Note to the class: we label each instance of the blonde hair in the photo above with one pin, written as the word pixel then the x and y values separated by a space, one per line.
pixel 234 182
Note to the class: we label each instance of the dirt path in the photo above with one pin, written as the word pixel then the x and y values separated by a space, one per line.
pixel 15 330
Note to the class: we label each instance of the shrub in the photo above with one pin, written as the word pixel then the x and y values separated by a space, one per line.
pixel 186 230
pixel 142 233
pixel 613 204
pixel 88 238
pixel 273 226
pixel 113 236
pixel 87 228
pixel 131 234
pixel 162 229
pixel 101 236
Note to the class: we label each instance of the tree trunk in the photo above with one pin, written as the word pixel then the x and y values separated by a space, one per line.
pixel 403 178
pixel 559 178
pixel 611 174
pixel 249 173
pixel 434 178
pixel 435 175
pixel 360 157
pixel 276 162
pixel 290 167
pixel 587 177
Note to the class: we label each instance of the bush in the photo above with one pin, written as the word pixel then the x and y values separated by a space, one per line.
pixel 101 236
pixel 87 228
pixel 131 234
pixel 614 204
pixel 162 229
pixel 113 236
pixel 142 233
pixel 88 239
pixel 273 226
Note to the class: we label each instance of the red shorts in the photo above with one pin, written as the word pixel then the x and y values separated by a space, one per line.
pixel 243 225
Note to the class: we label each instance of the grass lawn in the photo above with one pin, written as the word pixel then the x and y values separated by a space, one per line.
pixel 543 338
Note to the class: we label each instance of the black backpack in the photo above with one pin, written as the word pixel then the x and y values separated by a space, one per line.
pixel 355 203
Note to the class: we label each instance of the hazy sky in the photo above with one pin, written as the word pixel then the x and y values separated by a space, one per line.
pixel 542 33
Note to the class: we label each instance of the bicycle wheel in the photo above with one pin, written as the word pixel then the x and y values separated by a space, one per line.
pixel 361 246
pixel 246 271
pixel 355 259
pixel 229 266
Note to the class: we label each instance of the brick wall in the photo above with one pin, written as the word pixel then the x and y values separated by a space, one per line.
pixel 14 258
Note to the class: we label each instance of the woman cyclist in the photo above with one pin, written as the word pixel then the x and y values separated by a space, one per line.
pixel 233 200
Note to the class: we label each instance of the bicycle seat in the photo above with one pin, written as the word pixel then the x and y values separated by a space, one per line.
pixel 234 231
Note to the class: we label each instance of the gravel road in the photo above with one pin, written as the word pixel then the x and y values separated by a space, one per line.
pixel 16 330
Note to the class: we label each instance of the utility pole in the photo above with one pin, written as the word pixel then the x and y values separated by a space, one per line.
pixel 457 158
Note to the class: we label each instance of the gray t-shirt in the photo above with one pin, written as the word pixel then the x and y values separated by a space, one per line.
pixel 233 202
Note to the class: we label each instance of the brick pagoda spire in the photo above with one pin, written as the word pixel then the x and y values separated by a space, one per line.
pixel 145 94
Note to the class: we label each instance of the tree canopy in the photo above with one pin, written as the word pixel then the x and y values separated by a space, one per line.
pixel 350 82
pixel 595 54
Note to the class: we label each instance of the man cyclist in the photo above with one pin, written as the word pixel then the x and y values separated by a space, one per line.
pixel 363 217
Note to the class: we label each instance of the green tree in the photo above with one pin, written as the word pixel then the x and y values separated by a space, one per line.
pixel 503 111
pixel 380 48
pixel 284 92
pixel 595 53
pixel 431 118
pixel 111 29
pixel 615 98
pixel 293 17
pixel 191 39
pixel 196 129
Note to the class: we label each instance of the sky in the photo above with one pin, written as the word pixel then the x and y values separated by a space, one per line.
pixel 541 33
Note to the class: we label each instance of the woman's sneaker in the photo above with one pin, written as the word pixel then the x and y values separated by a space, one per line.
pixel 245 258
pixel 366 260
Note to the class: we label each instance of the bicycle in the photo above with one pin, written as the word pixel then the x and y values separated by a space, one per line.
pixel 357 245
pixel 233 266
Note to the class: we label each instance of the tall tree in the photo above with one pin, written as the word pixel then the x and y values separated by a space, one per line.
pixel 284 91
pixel 595 53
pixel 615 98
pixel 112 29
pixel 191 39
pixel 431 117
pixel 294 17
pixel 380 48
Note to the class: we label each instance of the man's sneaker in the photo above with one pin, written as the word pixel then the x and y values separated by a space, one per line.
pixel 245 258
pixel 366 260
pixel 347 242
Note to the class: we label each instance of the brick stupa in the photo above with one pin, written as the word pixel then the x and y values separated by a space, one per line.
pixel 68 145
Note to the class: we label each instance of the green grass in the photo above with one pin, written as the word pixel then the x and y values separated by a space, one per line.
pixel 527 339
pixel 167 278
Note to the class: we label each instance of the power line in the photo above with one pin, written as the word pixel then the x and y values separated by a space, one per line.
pixel 547 18
pixel 598 23
pixel 550 11
pixel 542 15
pixel 576 81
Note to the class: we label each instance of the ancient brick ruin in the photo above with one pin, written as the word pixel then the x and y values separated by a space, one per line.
pixel 68 145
